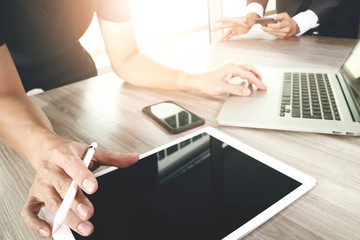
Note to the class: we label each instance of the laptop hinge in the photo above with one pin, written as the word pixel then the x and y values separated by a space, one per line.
pixel 353 107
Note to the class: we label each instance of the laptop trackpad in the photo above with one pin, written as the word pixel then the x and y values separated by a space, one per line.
pixel 260 106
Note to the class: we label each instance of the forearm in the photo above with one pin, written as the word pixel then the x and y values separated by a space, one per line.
pixel 136 68
pixel 141 70
pixel 133 66
pixel 24 127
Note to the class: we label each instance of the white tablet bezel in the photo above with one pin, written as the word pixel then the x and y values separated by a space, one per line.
pixel 307 182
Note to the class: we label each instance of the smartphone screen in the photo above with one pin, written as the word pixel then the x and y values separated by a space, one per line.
pixel 172 117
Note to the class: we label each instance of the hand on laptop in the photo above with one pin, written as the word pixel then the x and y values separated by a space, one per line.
pixel 217 82
pixel 59 164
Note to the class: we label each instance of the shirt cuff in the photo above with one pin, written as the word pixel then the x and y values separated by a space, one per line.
pixel 306 20
pixel 255 8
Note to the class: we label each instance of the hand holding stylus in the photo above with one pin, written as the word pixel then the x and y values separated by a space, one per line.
pixel 60 163
pixel 71 192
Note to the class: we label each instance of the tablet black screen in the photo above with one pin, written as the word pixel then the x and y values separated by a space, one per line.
pixel 197 189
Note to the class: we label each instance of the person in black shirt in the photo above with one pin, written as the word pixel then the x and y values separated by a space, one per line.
pixel 39 48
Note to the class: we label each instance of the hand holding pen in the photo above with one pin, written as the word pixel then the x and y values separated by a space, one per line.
pixel 60 165
pixel 71 192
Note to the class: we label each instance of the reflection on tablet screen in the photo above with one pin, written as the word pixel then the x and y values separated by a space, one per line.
pixel 200 188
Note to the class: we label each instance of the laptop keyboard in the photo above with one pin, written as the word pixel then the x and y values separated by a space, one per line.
pixel 308 95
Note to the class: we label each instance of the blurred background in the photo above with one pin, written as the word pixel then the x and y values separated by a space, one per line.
pixel 164 28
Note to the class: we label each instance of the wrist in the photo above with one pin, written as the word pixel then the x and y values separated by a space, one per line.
pixel 194 82
pixel 185 81
pixel 39 145
pixel 251 17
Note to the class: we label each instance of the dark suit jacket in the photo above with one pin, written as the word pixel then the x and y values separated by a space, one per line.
pixel 337 18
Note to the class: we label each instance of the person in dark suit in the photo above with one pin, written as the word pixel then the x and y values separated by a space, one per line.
pixel 333 18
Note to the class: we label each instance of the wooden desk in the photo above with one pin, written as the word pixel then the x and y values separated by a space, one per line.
pixel 108 110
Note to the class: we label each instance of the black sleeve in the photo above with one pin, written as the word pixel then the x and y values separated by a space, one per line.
pixel 114 10
pixel 325 8
pixel 2 40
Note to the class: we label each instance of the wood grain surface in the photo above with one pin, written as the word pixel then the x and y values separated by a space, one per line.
pixel 108 110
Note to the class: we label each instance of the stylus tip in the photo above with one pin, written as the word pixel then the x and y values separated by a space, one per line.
pixel 55 228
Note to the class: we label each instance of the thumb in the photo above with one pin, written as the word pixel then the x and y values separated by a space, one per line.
pixel 30 216
pixel 237 89
pixel 109 158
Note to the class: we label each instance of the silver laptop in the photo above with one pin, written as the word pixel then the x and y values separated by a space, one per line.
pixel 302 99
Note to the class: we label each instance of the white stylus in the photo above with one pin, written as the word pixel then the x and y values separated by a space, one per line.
pixel 71 192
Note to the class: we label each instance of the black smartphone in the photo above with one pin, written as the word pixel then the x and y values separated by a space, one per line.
pixel 172 117
pixel 265 21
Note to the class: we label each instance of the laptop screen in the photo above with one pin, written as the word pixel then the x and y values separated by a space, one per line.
pixel 352 63
pixel 351 71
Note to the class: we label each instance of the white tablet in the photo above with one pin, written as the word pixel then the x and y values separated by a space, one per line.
pixel 206 185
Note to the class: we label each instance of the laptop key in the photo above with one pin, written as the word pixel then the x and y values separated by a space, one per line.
pixel 295 112
pixel 286 89
pixel 328 117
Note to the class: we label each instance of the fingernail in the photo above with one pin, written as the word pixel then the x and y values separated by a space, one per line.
pixel 89 185
pixel 83 210
pixel 44 232
pixel 84 229
pixel 246 91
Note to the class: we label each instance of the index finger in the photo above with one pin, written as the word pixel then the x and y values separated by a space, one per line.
pixel 254 70
pixel 75 168
pixel 221 26
pixel 234 20
pixel 274 25
pixel 227 19
pixel 253 76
